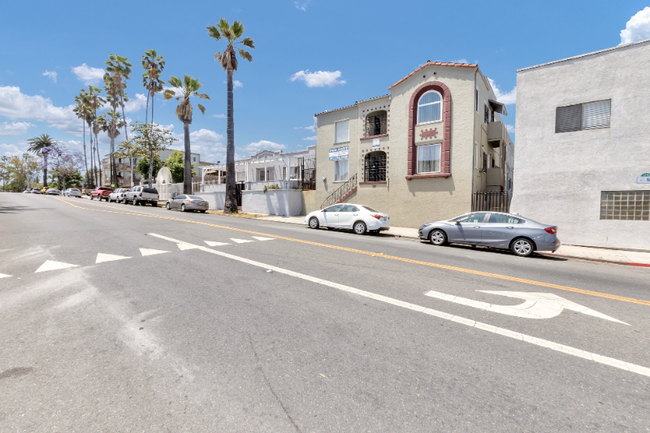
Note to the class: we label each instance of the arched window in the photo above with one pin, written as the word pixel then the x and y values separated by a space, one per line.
pixel 375 167
pixel 376 123
pixel 430 107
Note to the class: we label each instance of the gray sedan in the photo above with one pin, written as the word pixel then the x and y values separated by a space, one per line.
pixel 187 203
pixel 493 229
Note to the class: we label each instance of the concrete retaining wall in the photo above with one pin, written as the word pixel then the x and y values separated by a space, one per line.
pixel 283 202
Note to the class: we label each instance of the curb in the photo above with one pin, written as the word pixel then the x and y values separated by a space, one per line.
pixel 645 265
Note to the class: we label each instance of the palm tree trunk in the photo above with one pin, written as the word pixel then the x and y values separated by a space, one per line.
pixel 99 161
pixel 230 205
pixel 150 147
pixel 85 158
pixel 44 170
pixel 187 170
pixel 126 134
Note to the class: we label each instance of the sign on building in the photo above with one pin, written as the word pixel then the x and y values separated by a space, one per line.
pixel 339 153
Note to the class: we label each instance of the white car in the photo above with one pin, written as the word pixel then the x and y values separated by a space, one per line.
pixel 72 192
pixel 357 217
pixel 117 195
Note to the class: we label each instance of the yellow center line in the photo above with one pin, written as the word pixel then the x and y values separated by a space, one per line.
pixel 384 256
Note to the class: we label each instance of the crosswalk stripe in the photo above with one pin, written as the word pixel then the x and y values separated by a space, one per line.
pixel 240 241
pixel 216 244
pixel 261 238
pixel 101 258
pixel 185 246
pixel 51 265
pixel 151 252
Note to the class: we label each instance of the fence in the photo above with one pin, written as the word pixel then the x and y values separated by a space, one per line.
pixel 491 201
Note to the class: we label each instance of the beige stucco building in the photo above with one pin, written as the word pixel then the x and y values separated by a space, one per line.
pixel 420 152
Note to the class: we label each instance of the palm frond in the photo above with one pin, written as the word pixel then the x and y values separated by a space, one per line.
pixel 246 55
pixel 202 108
pixel 248 42
pixel 202 95
pixel 237 29
pixel 217 56
pixel 213 32
pixel 168 94
pixel 175 82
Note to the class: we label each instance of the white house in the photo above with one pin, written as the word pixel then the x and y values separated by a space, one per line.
pixel 583 147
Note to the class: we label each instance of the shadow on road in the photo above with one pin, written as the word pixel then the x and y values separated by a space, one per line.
pixel 488 250
pixel 15 209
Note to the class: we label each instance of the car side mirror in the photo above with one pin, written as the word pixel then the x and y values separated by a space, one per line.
pixel 457 223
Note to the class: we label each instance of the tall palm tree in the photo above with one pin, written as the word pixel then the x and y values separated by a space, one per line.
pixel 118 70
pixel 41 146
pixel 186 88
pixel 113 124
pixel 100 124
pixel 153 65
pixel 228 61
pixel 82 110
pixel 94 102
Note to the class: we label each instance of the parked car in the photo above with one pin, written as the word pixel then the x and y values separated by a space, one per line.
pixel 101 193
pixel 139 195
pixel 187 203
pixel 118 195
pixel 53 191
pixel 493 229
pixel 72 192
pixel 356 217
pixel 36 191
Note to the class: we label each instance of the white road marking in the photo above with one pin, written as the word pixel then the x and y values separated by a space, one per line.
pixel 536 305
pixel 101 258
pixel 4 276
pixel 151 252
pixel 240 241
pixel 261 238
pixel 590 356
pixel 185 246
pixel 51 265
pixel 216 244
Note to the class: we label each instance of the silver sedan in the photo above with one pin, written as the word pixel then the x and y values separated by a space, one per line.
pixel 493 229
pixel 185 203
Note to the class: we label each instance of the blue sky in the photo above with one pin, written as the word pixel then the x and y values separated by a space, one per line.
pixel 310 56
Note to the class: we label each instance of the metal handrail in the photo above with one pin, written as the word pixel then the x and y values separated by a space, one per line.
pixel 340 192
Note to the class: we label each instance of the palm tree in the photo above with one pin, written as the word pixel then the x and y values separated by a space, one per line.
pixel 118 70
pixel 113 125
pixel 186 88
pixel 228 61
pixel 100 124
pixel 153 65
pixel 82 110
pixel 94 102
pixel 41 146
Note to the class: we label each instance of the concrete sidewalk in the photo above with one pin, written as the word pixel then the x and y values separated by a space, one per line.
pixel 633 258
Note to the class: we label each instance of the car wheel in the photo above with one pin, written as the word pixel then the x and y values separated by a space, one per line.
pixel 182 208
pixel 438 237
pixel 91 197
pixel 135 202
pixel 522 247
pixel 202 211
pixel 360 227
pixel 313 223
pixel 154 204
pixel 168 206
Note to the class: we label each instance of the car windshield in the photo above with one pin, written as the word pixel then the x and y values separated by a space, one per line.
pixel 370 209
pixel 194 197
pixel 151 190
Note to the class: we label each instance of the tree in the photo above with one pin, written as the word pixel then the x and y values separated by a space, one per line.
pixel 153 65
pixel 113 124
pixel 41 146
pixel 228 61
pixel 65 164
pixel 117 71
pixel 22 172
pixel 148 140
pixel 145 168
pixel 83 111
pixel 187 88
pixel 4 170
pixel 176 164
pixel 94 102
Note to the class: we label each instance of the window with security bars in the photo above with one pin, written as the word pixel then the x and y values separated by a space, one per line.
pixel 625 205
pixel 375 167
pixel 579 117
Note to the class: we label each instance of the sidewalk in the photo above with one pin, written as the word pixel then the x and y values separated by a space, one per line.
pixel 633 258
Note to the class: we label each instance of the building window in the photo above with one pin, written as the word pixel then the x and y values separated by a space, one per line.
pixel 476 99
pixel 241 176
pixel 294 172
pixel 341 170
pixel 430 107
pixel 194 159
pixel 376 123
pixel 429 158
pixel 261 174
pixel 270 173
pixel 486 114
pixel 342 130
pixel 476 155
pixel 579 117
pixel 625 205
pixel 375 167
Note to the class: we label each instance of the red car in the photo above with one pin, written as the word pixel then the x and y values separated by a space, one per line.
pixel 101 193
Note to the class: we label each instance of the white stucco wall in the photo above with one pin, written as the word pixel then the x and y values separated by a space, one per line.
pixel 560 176
pixel 273 202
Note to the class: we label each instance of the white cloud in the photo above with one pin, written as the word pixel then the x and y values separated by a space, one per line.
pixel 318 78
pixel 88 74
pixel 15 105
pixel 637 28
pixel 219 116
pixel 460 61
pixel 311 128
pixel 236 84
pixel 11 150
pixel 15 128
pixel 510 129
pixel 50 74
pixel 302 5
pixel 507 98
pixel 135 104
pixel 205 142
pixel 263 144
pixel 313 138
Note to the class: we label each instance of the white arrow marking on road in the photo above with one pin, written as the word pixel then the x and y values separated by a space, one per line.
pixel 216 244
pixel 240 241
pixel 536 305
pixel 4 276
pixel 546 344
pixel 101 258
pixel 151 252
pixel 185 246
pixel 51 265
pixel 260 238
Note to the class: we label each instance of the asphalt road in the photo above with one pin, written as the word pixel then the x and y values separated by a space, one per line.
pixel 135 319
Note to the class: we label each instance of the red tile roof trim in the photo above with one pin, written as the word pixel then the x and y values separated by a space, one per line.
pixel 458 65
